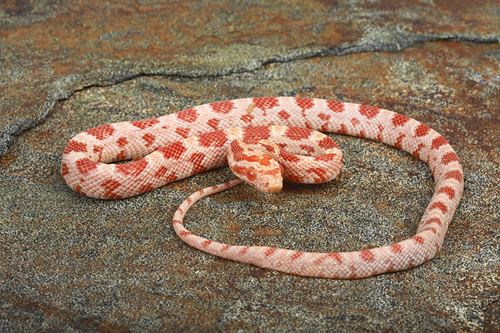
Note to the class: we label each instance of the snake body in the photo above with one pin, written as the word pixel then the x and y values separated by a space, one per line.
pixel 194 140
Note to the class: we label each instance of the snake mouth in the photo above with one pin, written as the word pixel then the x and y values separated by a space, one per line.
pixel 272 187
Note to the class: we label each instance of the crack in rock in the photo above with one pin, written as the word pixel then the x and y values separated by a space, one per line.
pixel 374 39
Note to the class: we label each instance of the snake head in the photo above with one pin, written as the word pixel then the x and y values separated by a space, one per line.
pixel 255 167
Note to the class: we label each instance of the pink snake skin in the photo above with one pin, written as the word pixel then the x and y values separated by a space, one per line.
pixel 194 140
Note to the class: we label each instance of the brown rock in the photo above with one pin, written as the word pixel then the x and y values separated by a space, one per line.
pixel 70 262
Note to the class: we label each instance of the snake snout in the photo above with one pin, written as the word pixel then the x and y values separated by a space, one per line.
pixel 272 186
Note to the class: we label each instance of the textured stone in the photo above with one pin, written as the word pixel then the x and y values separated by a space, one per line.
pixel 70 262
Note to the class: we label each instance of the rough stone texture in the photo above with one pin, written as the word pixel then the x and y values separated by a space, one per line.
pixel 68 262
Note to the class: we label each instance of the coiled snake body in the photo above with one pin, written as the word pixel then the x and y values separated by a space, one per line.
pixel 188 142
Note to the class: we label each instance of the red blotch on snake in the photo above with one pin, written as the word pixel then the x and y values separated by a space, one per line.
pixel 336 106
pixel 189 115
pixel 325 157
pixel 336 256
pixel 399 141
pixel 98 150
pixel 86 165
pixel 448 191
pixel 324 117
pixel 132 168
pixel 247 118
pixel 308 149
pixel 122 142
pixel 399 120
pixel 197 160
pixel 430 229
pixel 418 239
pixel 184 132
pixel 265 103
pixel 439 205
pixel 455 174
pixel 438 142
pixel 255 134
pixel 369 112
pixel 101 132
pixel 214 123
pixel 304 103
pixel 222 107
pixel 270 251
pixel 64 169
pixel 149 138
pixel 110 185
pixel 76 146
pixel 297 133
pixel 422 130
pixel 143 124
pixel 448 158
pixel 213 139
pixel 327 143
pixel 320 173
pixel 396 248
pixel 367 255
pixel 283 114
pixel 173 151
pixel 433 220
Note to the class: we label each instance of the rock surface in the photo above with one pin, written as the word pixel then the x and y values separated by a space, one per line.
pixel 68 262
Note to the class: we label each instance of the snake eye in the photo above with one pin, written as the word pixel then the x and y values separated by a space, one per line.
pixel 251 174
